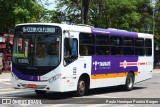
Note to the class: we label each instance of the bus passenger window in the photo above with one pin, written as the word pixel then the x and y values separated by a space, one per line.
pixel 102 50
pixel 148 47
pixel 139 51
pixel 83 49
pixel 86 44
pixel 116 51
pixel 70 50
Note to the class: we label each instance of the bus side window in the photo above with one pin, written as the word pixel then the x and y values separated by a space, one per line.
pixel 70 50
pixel 83 49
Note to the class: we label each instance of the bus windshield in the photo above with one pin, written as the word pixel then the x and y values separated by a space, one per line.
pixel 36 49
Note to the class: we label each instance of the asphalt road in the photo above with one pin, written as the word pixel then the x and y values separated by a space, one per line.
pixel 95 98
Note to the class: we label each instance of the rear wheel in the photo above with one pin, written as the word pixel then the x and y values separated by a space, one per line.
pixel 129 82
pixel 40 92
pixel 81 87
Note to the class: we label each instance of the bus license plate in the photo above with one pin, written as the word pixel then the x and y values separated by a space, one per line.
pixel 32 86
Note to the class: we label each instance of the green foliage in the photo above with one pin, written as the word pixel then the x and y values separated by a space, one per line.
pixel 19 11
pixel 133 15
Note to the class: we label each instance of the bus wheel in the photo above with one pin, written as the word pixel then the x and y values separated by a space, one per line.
pixel 81 87
pixel 40 92
pixel 129 82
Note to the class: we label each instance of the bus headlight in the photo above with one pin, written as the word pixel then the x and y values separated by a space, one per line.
pixel 14 76
pixel 54 78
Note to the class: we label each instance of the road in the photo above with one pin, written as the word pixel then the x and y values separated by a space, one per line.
pixel 95 97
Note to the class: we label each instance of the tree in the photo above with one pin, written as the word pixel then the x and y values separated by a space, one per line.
pixel 19 11
pixel 74 9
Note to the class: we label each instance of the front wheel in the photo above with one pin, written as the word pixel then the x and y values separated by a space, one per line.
pixel 129 82
pixel 81 87
pixel 40 92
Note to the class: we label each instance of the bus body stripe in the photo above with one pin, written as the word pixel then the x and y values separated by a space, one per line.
pixel 111 75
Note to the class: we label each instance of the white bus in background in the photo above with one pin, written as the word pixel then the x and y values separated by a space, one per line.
pixel 62 58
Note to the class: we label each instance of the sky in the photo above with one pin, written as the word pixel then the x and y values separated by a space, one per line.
pixel 51 6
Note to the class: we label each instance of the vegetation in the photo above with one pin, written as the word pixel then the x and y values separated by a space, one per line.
pixel 132 15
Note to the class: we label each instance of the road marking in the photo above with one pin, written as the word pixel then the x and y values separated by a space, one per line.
pixel 6 89
pixel 102 96
pixel 12 91
pixel 97 105
pixel 59 105
pixel 97 96
pixel 79 105
pixel 6 83
pixel 126 105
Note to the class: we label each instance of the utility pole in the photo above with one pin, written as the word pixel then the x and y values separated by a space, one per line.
pixel 153 6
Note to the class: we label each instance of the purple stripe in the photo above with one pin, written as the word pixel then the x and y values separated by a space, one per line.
pixel 114 32
pixel 23 76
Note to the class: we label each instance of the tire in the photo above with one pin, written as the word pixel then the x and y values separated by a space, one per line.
pixel 40 92
pixel 81 87
pixel 129 82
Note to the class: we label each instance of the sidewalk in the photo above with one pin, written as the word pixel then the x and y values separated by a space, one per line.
pixel 5 76
pixel 156 71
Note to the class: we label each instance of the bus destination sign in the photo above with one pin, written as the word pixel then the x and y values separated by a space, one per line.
pixel 30 29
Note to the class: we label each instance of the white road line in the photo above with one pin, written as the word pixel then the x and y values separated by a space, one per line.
pixel 97 96
pixel 6 83
pixel 58 105
pixel 96 105
pixel 7 91
pixel 102 96
pixel 126 105
pixel 78 105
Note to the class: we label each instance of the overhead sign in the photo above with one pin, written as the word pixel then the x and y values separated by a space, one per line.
pixel 38 29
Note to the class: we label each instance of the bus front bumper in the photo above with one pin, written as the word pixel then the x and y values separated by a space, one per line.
pixel 36 85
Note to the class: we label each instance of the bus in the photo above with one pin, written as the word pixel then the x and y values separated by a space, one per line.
pixel 76 58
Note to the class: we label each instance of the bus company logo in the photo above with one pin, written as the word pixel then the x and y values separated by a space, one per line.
pixel 101 64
